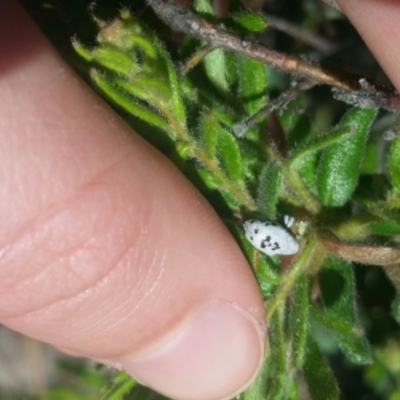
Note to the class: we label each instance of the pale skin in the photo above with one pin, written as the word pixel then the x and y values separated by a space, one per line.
pixel 107 251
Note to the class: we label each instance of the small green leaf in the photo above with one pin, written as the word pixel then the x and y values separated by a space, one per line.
pixel 208 132
pixel 229 156
pixel 122 384
pixel 298 125
pixel 338 292
pixel 300 136
pixel 83 51
pixel 115 60
pixel 215 63
pixel 126 34
pixel 268 189
pixel 252 83
pixel 203 7
pixel 252 22
pixel 129 104
pixel 176 101
pixel 151 90
pixel 140 392
pixel 336 326
pixel 320 380
pixel 340 163
pixel 215 66
pixel 277 378
pixel 321 142
pixel 372 156
pixel 208 179
pixel 385 227
pixel 394 164
pixel 144 44
pixel 308 171
pixel 299 320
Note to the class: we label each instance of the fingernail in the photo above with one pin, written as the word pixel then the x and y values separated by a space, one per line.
pixel 213 355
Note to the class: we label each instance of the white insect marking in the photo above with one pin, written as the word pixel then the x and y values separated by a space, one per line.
pixel 288 220
pixel 270 238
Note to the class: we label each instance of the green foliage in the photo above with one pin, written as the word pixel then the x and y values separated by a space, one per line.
pixel 338 294
pixel 268 189
pixel 299 310
pixel 317 176
pixel 394 165
pixel 252 83
pixel 340 163
pixel 252 22
pixel 122 384
pixel 320 379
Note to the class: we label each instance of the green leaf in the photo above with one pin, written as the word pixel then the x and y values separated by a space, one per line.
pixel 321 142
pixel 215 66
pixel 122 384
pixel 394 165
pixel 252 22
pixel 298 125
pixel 278 378
pixel 229 156
pixel 150 90
pixel 81 50
pixel 385 227
pixel 336 326
pixel 110 57
pixel 340 163
pixel 308 170
pixel 299 320
pixel 140 392
pixel 208 179
pixel 320 380
pixel 252 83
pixel 338 293
pixel 208 132
pixel 176 101
pixel 268 189
pixel 145 44
pixel 203 7
pixel 139 71
pixel 129 104
pixel 215 63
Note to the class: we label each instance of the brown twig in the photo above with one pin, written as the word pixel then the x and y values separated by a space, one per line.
pixel 240 128
pixel 195 59
pixel 185 21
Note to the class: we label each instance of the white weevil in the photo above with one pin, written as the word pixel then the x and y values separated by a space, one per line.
pixel 271 238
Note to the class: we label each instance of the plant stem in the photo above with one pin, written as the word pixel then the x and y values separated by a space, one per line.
pixel 195 59
pixel 226 184
pixel 240 128
pixel 308 261
pixel 295 181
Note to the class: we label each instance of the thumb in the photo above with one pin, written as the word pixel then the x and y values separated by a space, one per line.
pixel 106 250
pixel 377 21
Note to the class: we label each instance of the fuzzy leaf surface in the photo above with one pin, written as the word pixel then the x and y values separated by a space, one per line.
pixel 340 163
pixel 320 380
pixel 268 189
pixel 230 157
pixel 338 292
